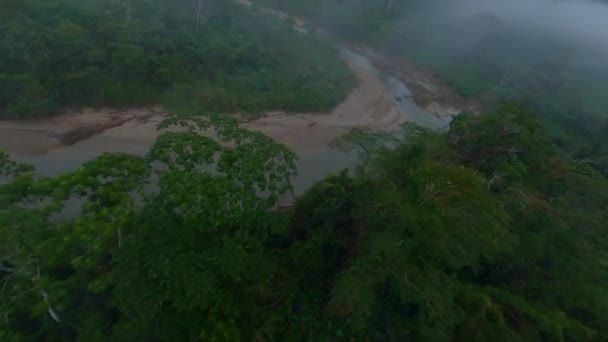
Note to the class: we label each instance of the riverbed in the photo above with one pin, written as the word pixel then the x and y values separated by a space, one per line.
pixel 380 101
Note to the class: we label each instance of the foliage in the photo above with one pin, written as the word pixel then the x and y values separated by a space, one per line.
pixel 484 232
pixel 90 53
pixel 491 231
pixel 361 19
pixel 479 56
pixel 194 209
pixel 534 69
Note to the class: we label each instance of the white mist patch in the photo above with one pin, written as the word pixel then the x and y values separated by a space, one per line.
pixel 582 23
pixel 578 19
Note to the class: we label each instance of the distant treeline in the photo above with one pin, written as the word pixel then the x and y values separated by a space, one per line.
pixel 208 54
pixel 479 56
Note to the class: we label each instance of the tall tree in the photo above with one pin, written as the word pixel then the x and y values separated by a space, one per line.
pixel 74 275
pixel 203 10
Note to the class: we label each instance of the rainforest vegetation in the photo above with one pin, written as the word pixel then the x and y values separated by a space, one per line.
pixel 485 232
pixel 220 57
pixel 485 57
pixel 492 230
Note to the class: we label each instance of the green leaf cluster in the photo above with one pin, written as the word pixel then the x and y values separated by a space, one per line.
pixel 124 53
pixel 486 232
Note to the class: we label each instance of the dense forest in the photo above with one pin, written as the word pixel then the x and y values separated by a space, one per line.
pixel 58 54
pixel 482 55
pixel 484 232
pixel 492 230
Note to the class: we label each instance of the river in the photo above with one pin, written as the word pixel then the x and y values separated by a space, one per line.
pixel 381 101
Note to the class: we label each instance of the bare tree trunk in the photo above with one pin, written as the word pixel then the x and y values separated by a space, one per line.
pixel 495 177
pixel 503 85
pixel 504 79
pixel 197 4
pixel 511 95
pixel 50 309
pixel 390 4
pixel 207 11
pixel 202 11
pixel 128 9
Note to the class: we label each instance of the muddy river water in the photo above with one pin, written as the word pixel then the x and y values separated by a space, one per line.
pixel 380 101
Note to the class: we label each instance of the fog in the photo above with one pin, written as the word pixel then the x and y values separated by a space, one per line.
pixel 575 19
pixel 582 25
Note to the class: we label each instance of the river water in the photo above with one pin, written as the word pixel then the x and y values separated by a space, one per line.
pixel 313 165
pixel 401 94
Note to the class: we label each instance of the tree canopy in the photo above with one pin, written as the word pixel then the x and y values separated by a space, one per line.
pixel 132 52
pixel 493 230
pixel 481 56
pixel 484 232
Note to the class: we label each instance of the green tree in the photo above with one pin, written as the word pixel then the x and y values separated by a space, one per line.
pixel 197 209
pixel 131 53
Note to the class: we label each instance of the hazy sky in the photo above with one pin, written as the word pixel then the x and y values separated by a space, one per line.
pixel 574 19
pixel 583 24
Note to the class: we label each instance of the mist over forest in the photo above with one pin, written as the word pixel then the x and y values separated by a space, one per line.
pixel 303 170
pixel 550 55
pixel 578 27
